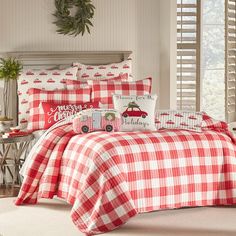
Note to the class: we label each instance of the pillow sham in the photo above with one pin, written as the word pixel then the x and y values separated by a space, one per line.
pixel 47 79
pixel 75 84
pixel 54 112
pixel 174 119
pixel 37 96
pixel 95 72
pixel 102 91
pixel 138 112
pixel 208 123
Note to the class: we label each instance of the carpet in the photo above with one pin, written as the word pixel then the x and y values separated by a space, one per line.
pixel 52 218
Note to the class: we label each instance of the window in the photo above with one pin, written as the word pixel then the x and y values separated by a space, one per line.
pixel 188 54
pixel 230 58
pixel 206 76
pixel 213 58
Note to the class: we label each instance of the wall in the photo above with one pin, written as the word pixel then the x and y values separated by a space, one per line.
pixel 168 53
pixel 26 25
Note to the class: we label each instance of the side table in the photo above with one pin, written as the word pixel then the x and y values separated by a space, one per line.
pixel 13 152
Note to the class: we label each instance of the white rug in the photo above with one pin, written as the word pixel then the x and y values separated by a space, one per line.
pixel 52 218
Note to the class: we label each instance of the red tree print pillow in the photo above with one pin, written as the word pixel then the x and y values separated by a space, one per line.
pixel 173 119
pixel 41 79
pixel 98 72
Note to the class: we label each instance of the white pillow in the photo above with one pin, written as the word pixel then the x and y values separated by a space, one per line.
pixel 41 79
pixel 176 119
pixel 138 112
pixel 96 72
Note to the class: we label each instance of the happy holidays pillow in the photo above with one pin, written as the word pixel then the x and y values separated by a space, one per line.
pixel 138 112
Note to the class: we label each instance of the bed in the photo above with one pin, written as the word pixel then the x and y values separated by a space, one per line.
pixel 110 177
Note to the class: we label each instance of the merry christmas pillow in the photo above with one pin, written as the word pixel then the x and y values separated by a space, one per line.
pixel 174 119
pixel 53 112
pixel 138 112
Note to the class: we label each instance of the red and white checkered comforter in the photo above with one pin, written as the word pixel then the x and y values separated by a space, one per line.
pixel 111 177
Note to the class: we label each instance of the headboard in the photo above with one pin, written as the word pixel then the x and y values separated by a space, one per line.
pixel 60 59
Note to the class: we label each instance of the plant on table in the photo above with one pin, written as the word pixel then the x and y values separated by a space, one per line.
pixel 10 69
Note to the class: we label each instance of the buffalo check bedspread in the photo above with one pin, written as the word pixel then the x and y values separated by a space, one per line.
pixel 111 177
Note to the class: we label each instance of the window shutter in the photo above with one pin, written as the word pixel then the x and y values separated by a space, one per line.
pixel 188 54
pixel 230 59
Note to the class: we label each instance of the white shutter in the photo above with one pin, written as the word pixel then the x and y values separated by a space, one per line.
pixel 230 59
pixel 188 54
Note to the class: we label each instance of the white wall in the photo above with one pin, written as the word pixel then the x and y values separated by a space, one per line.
pixel 168 53
pixel 26 25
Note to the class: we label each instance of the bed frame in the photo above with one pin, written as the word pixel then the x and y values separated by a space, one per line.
pixel 50 60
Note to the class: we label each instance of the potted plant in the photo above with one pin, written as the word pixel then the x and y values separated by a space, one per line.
pixel 10 69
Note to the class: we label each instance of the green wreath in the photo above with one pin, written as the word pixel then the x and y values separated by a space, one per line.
pixel 77 24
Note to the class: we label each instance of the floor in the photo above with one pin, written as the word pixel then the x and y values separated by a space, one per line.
pixel 52 218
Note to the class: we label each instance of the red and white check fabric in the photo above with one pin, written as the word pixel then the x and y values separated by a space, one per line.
pixel 210 123
pixel 110 177
pixel 102 91
pixel 98 72
pixel 47 79
pixel 37 96
pixel 76 84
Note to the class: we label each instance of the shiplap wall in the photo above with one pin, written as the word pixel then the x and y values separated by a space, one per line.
pixel 26 25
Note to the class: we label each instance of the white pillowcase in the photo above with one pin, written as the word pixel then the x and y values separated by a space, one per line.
pixel 138 112
pixel 101 72
pixel 41 79
pixel 176 119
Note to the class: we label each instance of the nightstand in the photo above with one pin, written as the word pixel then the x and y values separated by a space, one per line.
pixel 13 152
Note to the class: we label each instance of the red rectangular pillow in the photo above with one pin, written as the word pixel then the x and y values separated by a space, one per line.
pixel 37 96
pixel 102 91
pixel 53 112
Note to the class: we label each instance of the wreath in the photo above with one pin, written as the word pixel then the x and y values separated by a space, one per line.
pixel 77 24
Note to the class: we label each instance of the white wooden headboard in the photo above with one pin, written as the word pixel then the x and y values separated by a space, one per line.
pixel 60 59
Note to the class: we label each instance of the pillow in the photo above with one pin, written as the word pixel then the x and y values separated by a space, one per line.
pixel 92 72
pixel 37 96
pixel 54 112
pixel 208 123
pixel 47 79
pixel 174 119
pixel 138 112
pixel 102 91
pixel 97 119
pixel 75 84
